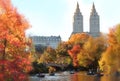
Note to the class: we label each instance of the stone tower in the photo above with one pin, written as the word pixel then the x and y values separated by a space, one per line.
pixel 77 21
pixel 94 23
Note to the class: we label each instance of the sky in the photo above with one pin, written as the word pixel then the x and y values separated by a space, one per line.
pixel 55 17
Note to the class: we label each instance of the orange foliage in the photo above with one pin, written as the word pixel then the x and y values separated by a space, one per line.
pixel 78 38
pixel 85 48
pixel 73 53
pixel 14 60
pixel 110 62
pixel 74 50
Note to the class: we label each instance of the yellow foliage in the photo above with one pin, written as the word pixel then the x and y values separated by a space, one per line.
pixel 90 48
pixel 110 61
pixel 78 38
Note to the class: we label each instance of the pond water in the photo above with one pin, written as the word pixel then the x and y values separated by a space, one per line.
pixel 79 76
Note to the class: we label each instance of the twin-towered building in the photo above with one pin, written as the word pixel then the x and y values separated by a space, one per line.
pixel 53 41
pixel 93 22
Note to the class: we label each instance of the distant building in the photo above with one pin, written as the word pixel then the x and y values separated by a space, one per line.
pixel 93 22
pixel 51 41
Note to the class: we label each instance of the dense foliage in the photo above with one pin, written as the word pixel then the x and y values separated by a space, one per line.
pixel 86 50
pixel 110 61
pixel 14 58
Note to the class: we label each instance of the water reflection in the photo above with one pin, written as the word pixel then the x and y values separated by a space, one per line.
pixel 110 78
pixel 84 77
pixel 81 76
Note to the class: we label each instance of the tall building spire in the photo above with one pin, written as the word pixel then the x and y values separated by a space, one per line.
pixel 77 5
pixel 93 6
pixel 77 8
pixel 94 22
pixel 77 21
pixel 93 9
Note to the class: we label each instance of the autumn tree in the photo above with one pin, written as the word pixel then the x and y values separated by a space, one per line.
pixel 62 48
pixel 77 41
pixel 91 51
pixel 14 58
pixel 73 53
pixel 110 62
pixel 79 38
pixel 48 56
pixel 86 50
pixel 62 56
